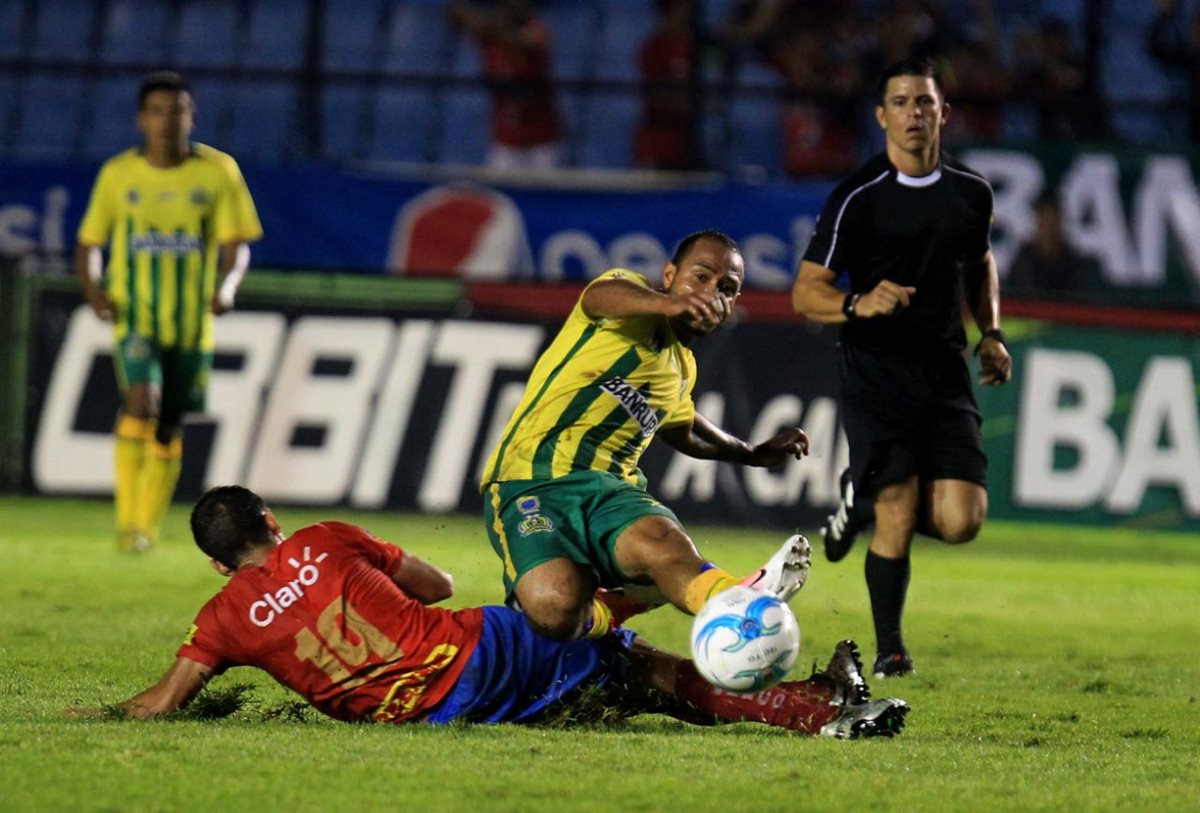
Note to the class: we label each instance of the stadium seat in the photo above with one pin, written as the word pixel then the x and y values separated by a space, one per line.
pixel 49 116
pixel 351 33
pixel 574 46
pixel 264 122
pixel 625 25
pixel 465 58
pixel 757 137
pixel 402 125
pixel 12 28
pixel 465 127
pixel 344 121
pixel 608 131
pixel 63 29
pixel 214 112
pixel 111 128
pixel 276 36
pixel 1129 72
pixel 125 27
pixel 419 38
pixel 208 34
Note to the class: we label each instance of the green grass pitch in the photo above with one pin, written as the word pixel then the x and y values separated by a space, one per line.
pixel 1058 669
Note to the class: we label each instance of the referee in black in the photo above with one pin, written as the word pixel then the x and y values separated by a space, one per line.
pixel 910 230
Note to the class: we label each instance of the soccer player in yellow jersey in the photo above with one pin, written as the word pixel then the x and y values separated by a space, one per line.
pixel 564 502
pixel 176 218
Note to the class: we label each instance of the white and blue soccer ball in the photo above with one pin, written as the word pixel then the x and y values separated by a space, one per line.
pixel 745 640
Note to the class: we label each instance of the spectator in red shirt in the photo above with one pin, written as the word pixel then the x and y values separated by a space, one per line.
pixel 526 126
pixel 666 135
pixel 343 619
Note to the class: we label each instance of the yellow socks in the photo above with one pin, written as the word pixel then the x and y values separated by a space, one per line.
pixel 602 620
pixel 133 435
pixel 710 581
pixel 160 473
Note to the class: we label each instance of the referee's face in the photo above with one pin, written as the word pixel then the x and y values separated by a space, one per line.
pixel 912 113
pixel 711 272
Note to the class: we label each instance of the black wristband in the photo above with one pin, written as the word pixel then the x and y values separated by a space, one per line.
pixel 991 333
pixel 848 306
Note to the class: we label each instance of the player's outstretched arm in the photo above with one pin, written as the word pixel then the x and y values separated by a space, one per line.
pixel 704 440
pixel 621 298
pixel 425 582
pixel 182 682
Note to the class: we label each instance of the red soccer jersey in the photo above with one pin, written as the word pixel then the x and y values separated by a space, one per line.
pixel 324 618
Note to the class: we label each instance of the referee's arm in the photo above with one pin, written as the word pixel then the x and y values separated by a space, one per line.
pixel 982 284
pixel 816 297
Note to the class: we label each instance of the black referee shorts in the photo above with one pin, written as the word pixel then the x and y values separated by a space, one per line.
pixel 910 416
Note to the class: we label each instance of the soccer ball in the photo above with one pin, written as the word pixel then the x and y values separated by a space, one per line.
pixel 745 640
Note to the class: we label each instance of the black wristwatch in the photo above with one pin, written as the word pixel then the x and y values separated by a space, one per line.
pixel 848 306
pixel 991 333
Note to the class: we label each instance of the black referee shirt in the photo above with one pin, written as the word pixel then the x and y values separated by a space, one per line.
pixel 881 224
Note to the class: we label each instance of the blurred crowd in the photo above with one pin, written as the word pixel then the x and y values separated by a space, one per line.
pixel 824 56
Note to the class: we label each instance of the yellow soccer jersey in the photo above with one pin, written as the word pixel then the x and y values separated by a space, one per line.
pixel 163 229
pixel 596 397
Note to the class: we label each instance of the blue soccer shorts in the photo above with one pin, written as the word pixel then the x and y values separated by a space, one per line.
pixel 515 674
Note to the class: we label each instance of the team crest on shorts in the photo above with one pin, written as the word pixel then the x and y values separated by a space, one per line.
pixel 137 348
pixel 534 522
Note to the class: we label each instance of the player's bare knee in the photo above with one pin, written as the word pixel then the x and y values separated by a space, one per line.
pixel 558 622
pixel 555 611
pixel 961 528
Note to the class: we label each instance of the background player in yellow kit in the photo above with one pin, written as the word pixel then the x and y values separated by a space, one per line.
pixel 176 218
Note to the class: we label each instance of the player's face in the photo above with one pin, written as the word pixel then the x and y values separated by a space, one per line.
pixel 711 270
pixel 912 113
pixel 166 118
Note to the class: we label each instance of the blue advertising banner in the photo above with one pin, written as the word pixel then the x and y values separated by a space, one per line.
pixel 326 219
pixel 1130 216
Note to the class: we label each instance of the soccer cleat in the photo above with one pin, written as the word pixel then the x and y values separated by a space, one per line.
pixel 845 670
pixel 785 572
pixel 842 526
pixel 134 542
pixel 875 718
pixel 893 664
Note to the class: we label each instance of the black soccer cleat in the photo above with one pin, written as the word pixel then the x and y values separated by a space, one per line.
pixel 841 527
pixel 893 664
pixel 845 670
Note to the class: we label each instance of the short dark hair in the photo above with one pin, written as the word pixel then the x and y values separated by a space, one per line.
pixel 913 66
pixel 685 245
pixel 227 524
pixel 161 80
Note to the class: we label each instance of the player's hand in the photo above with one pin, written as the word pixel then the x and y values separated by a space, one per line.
pixel 788 443
pixel 100 303
pixel 995 364
pixel 704 311
pixel 884 299
pixel 221 304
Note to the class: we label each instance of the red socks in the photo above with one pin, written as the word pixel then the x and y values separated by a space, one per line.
pixel 802 706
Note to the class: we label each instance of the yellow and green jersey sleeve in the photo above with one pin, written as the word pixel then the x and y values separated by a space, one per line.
pixel 596 397
pixel 164 229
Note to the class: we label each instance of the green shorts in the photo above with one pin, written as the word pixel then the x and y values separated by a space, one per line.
pixel 180 375
pixel 577 517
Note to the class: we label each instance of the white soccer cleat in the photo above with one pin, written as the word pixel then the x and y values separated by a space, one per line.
pixel 785 572
pixel 875 718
